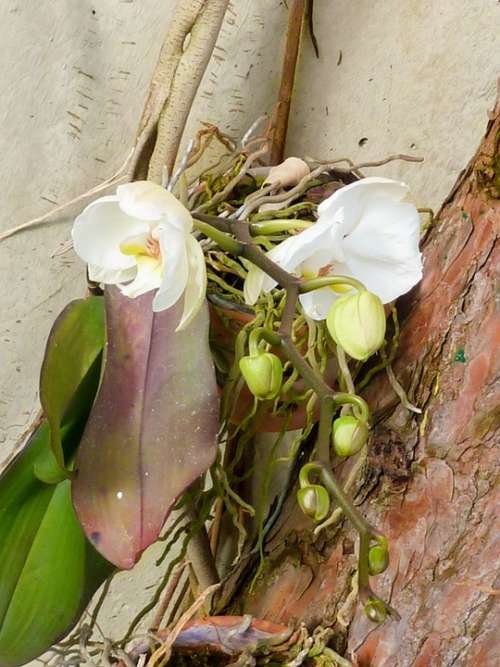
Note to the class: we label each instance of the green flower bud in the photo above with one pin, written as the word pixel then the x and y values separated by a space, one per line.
pixel 357 323
pixel 376 610
pixel 263 374
pixel 349 435
pixel 314 501
pixel 378 557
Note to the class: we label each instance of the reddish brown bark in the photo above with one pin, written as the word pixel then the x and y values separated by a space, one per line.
pixel 430 483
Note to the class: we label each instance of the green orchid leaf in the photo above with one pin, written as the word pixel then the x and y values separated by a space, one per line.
pixel 153 427
pixel 75 342
pixel 52 586
pixel 48 570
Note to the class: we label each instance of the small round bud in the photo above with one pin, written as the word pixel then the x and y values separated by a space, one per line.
pixel 357 323
pixel 349 435
pixel 287 173
pixel 376 610
pixel 263 374
pixel 378 557
pixel 314 501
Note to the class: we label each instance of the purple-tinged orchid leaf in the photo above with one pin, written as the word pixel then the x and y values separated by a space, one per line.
pixel 152 430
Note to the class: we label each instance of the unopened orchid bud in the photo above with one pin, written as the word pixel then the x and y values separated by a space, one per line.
pixel 263 374
pixel 349 435
pixel 357 323
pixel 314 501
pixel 288 173
pixel 378 557
pixel 376 610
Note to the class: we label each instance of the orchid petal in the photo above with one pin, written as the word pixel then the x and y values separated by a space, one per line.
pixel 327 257
pixel 383 251
pixel 253 285
pixel 289 255
pixel 316 304
pixel 99 274
pixel 196 286
pixel 99 230
pixel 148 277
pixel 347 204
pixel 175 267
pixel 149 201
pixel 292 252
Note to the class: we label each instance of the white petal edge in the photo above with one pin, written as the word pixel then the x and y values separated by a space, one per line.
pixel 382 252
pixel 319 242
pixel 386 281
pixel 388 231
pixel 148 278
pixel 253 285
pixel 111 276
pixel 353 198
pixel 316 304
pixel 98 231
pixel 297 249
pixel 146 200
pixel 196 286
pixel 175 267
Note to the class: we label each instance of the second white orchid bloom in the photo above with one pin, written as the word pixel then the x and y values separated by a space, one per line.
pixel 140 239
pixel 364 230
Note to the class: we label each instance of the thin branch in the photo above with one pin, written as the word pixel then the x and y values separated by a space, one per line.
pixel 253 253
pixel 112 180
pixel 380 163
pixel 162 654
pixel 288 196
pixel 292 294
pixel 325 430
pixel 167 596
pixel 223 194
pixel 296 11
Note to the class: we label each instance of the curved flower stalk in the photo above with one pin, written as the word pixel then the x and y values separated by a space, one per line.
pixel 365 230
pixel 140 239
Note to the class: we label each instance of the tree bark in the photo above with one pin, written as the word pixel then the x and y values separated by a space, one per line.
pixel 430 480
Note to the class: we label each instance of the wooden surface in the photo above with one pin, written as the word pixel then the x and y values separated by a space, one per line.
pixel 431 484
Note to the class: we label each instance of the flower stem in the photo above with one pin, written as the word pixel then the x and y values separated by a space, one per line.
pixel 361 407
pixel 276 226
pixel 344 369
pixel 329 281
pixel 325 429
pixel 223 240
pixel 366 532
pixel 324 473
pixel 313 379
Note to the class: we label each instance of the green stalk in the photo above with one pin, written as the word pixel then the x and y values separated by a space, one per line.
pixel 361 407
pixel 223 240
pixel 329 281
pixel 267 227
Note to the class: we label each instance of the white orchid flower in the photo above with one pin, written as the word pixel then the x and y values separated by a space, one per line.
pixel 140 239
pixel 366 231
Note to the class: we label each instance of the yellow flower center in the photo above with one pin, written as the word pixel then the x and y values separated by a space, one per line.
pixel 141 245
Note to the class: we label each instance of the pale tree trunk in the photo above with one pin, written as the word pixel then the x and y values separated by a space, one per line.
pixel 430 479
pixel 183 59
